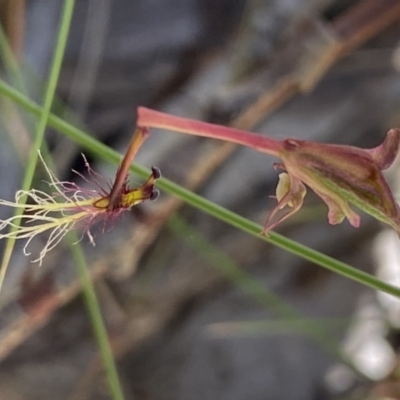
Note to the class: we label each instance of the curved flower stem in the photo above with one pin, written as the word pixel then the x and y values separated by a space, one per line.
pixel 138 139
pixel 155 119
pixel 105 152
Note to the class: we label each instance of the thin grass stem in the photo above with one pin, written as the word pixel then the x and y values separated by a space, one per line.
pixel 66 18
pixel 96 318
pixel 80 262
pixel 235 220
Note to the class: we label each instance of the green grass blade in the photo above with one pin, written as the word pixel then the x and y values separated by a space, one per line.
pixel 98 148
pixel 41 126
pixel 10 63
pixel 98 325
pixel 279 326
pixel 228 267
pixel 80 262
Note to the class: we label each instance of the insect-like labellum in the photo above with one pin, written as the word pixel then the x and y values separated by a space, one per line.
pixel 70 204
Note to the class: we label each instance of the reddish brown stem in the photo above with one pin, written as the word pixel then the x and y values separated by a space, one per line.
pixel 138 139
pixel 155 119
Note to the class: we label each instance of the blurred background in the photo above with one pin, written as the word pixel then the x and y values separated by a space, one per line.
pixel 196 309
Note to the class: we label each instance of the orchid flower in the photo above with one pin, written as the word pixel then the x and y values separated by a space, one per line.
pixel 341 175
pixel 68 204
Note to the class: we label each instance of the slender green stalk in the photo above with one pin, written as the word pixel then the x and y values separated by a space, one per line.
pixel 96 147
pixel 80 262
pixel 94 310
pixel 99 328
pixel 228 267
pixel 279 326
pixel 41 126
pixel 10 63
